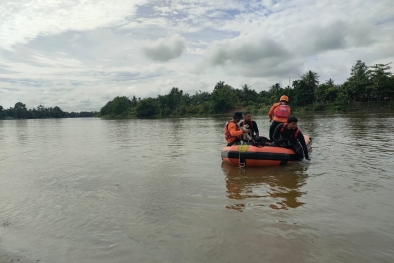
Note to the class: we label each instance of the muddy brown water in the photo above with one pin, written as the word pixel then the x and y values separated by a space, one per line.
pixel 91 190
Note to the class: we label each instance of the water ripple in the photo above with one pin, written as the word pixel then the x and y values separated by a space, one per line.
pixel 91 190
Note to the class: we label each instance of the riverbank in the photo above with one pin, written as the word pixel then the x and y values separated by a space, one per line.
pixel 354 107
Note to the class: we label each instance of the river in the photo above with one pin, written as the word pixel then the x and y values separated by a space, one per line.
pixel 92 190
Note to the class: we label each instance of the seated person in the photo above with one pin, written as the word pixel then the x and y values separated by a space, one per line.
pixel 290 136
pixel 250 124
pixel 233 133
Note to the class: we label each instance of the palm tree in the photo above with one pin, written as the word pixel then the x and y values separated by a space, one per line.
pixel 219 85
pixel 312 80
pixel 245 93
pixel 330 82
pixel 245 88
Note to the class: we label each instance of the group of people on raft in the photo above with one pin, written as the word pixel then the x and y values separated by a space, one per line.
pixel 283 131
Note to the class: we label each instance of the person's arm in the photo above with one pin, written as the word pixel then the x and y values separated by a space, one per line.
pixel 256 129
pixel 276 135
pixel 301 139
pixel 271 112
pixel 232 128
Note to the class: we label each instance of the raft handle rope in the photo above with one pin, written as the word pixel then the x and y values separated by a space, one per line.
pixel 241 165
pixel 303 153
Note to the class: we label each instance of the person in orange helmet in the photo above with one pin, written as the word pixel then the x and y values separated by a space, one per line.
pixel 278 113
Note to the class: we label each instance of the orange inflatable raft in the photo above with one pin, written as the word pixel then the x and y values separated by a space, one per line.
pixel 249 155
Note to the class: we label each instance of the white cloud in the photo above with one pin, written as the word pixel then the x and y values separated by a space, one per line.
pixel 174 3
pixel 245 49
pixel 24 20
pixel 91 51
pixel 252 55
pixel 165 49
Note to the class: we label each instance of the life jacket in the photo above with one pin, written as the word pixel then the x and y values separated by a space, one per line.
pixel 282 111
pixel 248 122
pixel 285 125
pixel 227 134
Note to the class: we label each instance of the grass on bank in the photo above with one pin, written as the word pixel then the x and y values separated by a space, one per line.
pixel 373 106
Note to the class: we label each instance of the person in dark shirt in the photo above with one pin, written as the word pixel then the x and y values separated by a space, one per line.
pixel 290 136
pixel 250 124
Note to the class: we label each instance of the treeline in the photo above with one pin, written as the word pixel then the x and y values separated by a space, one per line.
pixel 375 83
pixel 19 111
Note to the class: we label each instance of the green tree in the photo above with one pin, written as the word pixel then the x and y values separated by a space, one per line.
pixel 20 110
pixel 223 98
pixel 330 82
pixel 247 95
pixel 57 112
pixel 175 98
pixel 359 81
pixel 275 91
pixel 42 112
pixel 380 77
pixel 106 109
pixel 311 80
pixel 134 101
pixel 200 97
pixel 219 85
pixel 326 92
pixel 120 105
pixel 2 113
pixel 147 108
pixel 264 97
pixel 164 105
pixel 302 93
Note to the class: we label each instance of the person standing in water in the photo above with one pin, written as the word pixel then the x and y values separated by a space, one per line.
pixel 288 135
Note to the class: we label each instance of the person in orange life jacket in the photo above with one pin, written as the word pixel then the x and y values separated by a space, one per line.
pixel 278 113
pixel 250 124
pixel 232 132
pixel 290 136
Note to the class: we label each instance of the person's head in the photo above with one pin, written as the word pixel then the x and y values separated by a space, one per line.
pixel 248 116
pixel 292 122
pixel 284 99
pixel 237 116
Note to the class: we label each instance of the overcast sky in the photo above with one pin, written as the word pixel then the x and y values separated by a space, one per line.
pixel 79 54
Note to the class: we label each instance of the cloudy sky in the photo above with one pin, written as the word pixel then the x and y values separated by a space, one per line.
pixel 79 54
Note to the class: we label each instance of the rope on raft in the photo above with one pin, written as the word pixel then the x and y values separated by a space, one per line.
pixel 241 165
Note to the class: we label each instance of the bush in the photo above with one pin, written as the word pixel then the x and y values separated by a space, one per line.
pixel 391 106
pixel 317 107
pixel 147 108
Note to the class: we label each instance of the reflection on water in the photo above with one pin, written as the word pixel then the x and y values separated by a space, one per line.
pixel 277 187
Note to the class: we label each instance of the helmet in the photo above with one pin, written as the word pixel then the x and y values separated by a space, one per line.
pixel 237 115
pixel 284 98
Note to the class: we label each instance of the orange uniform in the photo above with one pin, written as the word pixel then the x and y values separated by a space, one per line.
pixel 279 112
pixel 232 132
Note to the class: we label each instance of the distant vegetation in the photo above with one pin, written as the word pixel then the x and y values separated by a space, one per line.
pixel 375 83
pixel 21 112
pixel 365 84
